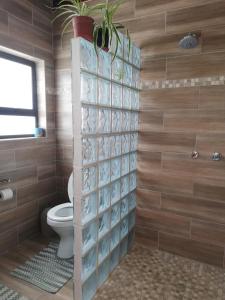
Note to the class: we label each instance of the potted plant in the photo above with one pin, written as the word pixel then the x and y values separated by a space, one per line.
pixel 107 32
pixel 79 15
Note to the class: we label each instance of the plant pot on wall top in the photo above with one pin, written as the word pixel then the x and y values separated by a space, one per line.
pixel 83 26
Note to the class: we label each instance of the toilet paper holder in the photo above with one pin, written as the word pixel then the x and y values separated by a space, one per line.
pixel 5 180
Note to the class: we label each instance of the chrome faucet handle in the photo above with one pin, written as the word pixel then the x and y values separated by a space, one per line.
pixel 194 155
pixel 216 156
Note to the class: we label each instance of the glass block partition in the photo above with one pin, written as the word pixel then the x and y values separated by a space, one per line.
pixel 105 124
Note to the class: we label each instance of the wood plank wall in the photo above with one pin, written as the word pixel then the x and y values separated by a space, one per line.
pixel 30 163
pixel 181 202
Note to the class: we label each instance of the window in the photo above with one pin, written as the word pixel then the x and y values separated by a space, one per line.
pixel 18 97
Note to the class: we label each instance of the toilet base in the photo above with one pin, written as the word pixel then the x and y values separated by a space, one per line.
pixel 65 249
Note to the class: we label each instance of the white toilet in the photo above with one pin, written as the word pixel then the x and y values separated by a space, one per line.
pixel 60 218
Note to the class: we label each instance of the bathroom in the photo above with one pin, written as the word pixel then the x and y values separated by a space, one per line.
pixel 174 244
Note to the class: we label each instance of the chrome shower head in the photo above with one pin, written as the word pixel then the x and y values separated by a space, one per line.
pixel 189 41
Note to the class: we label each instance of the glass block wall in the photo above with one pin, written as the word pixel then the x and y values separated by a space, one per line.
pixel 105 118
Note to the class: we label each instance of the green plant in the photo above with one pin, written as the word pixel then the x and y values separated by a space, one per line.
pixel 68 9
pixel 107 28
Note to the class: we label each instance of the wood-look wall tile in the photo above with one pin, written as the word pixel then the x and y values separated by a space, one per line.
pixel 149 7
pixel 42 21
pixel 3 21
pixel 210 188
pixel 8 240
pixel 213 39
pixel 46 171
pixel 211 233
pixel 150 120
pixel 147 199
pixel 28 229
pixel 202 167
pixel 196 17
pixel 146 236
pixel 163 221
pixel 153 69
pixel 165 181
pixel 50 201
pixel 166 141
pixel 17 45
pixel 21 176
pixel 195 121
pixel 210 142
pixel 20 9
pixel 7 159
pixel 169 99
pixel 186 205
pixel 148 160
pixel 207 253
pixel 212 97
pixel 195 66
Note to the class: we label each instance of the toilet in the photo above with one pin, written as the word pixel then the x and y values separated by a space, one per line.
pixel 60 218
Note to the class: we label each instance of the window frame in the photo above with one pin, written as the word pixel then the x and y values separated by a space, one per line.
pixel 10 111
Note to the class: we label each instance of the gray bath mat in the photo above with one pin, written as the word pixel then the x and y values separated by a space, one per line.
pixel 46 270
pixel 8 294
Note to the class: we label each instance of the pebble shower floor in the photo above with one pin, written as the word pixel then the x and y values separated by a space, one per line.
pixel 105 112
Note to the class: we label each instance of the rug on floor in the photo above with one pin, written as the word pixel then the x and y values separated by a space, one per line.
pixel 46 270
pixel 8 294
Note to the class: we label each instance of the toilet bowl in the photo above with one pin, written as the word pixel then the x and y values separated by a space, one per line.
pixel 60 218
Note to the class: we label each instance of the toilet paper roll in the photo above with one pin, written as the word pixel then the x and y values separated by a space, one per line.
pixel 6 194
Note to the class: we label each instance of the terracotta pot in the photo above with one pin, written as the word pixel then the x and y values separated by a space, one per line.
pixel 83 26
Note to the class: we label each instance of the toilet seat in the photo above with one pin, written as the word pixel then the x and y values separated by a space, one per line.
pixel 61 213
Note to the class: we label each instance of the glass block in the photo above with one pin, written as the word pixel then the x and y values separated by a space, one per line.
pixel 133 141
pixel 103 147
pixel 123 247
pixel 124 228
pixel 135 78
pixel 136 55
pixel 89 208
pixel 126 98
pixel 133 181
pixel 130 239
pixel 115 145
pixel 116 95
pixel 124 185
pixel 89 150
pixel 89 236
pixel 132 201
pixel 114 259
pixel 104 173
pixel 133 161
pixel 116 121
pixel 88 88
pixel 131 219
pixel 125 120
pixel 89 288
pixel 88 58
pixel 115 214
pixel 124 207
pixel 104 199
pixel 115 192
pixel 104 224
pixel 89 262
pixel 104 64
pixel 125 164
pixel 134 100
pixel 128 77
pixel 117 70
pixel 104 120
pixel 103 272
pixel 120 46
pixel 88 179
pixel 103 248
pixel 125 143
pixel 89 120
pixel 127 51
pixel 115 237
pixel 115 168
pixel 134 121
pixel 104 92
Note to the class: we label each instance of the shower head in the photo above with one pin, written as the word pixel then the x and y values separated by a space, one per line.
pixel 189 41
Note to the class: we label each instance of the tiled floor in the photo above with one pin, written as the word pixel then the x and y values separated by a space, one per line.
pixel 155 275
pixel 19 255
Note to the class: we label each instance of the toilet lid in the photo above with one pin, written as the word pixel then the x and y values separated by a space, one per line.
pixel 70 188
